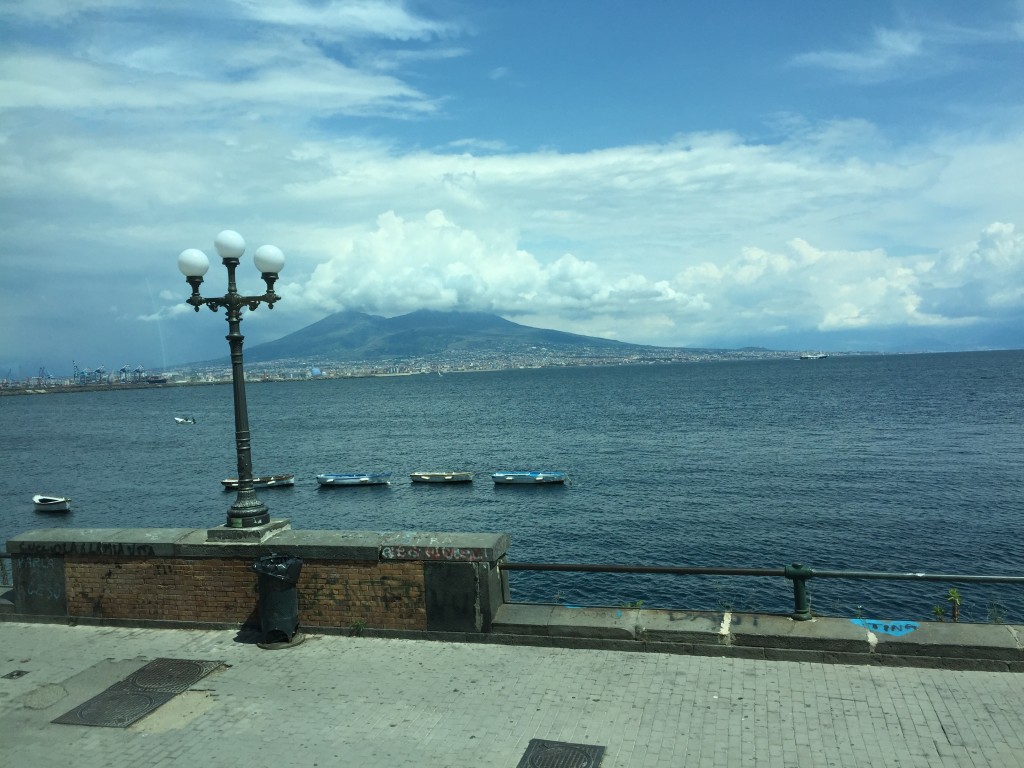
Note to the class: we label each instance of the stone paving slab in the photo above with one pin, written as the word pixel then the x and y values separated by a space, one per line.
pixel 357 701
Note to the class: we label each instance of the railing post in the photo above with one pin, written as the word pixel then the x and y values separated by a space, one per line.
pixel 799 574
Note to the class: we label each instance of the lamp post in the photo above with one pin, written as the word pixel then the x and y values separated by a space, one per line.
pixel 247 511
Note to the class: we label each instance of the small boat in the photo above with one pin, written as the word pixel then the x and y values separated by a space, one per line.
pixel 51 503
pixel 263 481
pixel 528 478
pixel 184 420
pixel 441 477
pixel 813 356
pixel 355 478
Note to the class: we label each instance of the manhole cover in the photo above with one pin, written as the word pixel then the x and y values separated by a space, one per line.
pixel 117 711
pixel 140 693
pixel 170 674
pixel 560 754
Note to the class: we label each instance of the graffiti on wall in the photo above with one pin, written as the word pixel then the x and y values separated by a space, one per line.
pixel 450 554
pixel 56 549
pixel 894 628
pixel 46 578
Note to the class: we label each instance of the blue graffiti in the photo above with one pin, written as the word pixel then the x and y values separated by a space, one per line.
pixel 895 628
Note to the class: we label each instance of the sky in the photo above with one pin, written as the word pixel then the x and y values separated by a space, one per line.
pixel 793 175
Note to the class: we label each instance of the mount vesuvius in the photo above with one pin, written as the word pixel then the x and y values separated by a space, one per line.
pixel 356 336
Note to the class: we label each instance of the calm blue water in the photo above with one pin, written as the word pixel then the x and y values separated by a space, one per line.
pixel 897 463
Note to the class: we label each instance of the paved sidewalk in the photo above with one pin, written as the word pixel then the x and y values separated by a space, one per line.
pixel 340 701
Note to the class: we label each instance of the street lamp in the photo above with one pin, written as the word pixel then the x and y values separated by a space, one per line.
pixel 247 511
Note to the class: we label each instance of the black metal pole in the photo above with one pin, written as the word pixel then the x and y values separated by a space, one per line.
pixel 799 574
pixel 247 511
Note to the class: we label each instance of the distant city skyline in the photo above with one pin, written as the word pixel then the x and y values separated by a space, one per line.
pixel 679 175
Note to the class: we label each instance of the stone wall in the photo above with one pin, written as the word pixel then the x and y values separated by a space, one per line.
pixel 393 581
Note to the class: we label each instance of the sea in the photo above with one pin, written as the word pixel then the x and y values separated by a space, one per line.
pixel 896 463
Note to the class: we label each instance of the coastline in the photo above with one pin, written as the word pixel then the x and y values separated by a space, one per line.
pixel 292 371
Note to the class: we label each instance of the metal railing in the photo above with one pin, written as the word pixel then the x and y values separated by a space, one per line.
pixel 798 573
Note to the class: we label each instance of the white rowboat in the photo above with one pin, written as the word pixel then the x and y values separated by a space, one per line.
pixel 518 477
pixel 263 481
pixel 441 477
pixel 51 503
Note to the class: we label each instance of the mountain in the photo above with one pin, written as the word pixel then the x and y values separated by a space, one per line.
pixel 355 336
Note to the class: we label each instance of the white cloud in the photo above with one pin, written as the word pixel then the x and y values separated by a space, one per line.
pixel 348 18
pixel 808 287
pixel 51 11
pixel 888 48
pixel 923 46
pixel 981 277
pixel 164 313
pixel 153 83
pixel 433 263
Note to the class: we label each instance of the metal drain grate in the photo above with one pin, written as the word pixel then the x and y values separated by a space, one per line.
pixel 560 754
pixel 140 693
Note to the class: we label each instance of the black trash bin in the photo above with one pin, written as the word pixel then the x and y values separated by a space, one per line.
pixel 279 600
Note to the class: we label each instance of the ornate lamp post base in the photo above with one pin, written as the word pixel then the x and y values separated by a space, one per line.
pixel 247 511
pixel 249 535
pixel 251 519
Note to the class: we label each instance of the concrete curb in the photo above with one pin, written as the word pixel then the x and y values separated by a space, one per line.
pixel 931 645
pixel 989 647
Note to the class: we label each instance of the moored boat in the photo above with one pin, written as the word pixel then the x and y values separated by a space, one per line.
pixel 51 503
pixel 263 481
pixel 441 477
pixel 355 478
pixel 521 477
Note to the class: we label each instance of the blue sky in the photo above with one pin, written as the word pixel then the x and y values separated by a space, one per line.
pixel 794 175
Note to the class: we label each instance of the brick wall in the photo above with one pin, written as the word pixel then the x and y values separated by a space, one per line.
pixel 194 590
pixel 384 595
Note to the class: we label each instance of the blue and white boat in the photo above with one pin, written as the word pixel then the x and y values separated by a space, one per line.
pixel 355 478
pixel 523 477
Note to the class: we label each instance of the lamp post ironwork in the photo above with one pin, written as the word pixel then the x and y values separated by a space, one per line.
pixel 247 511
